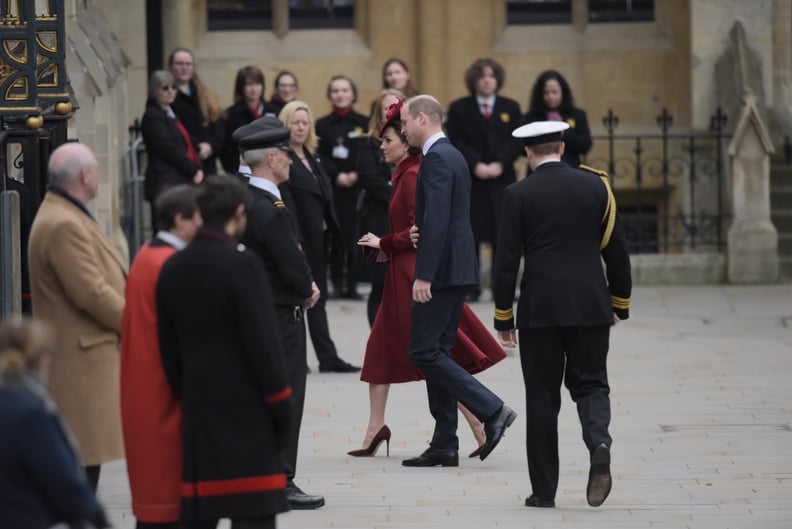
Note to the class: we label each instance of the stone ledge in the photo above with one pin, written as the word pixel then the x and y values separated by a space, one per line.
pixel 678 269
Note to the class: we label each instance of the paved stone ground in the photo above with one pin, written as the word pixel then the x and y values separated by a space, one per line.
pixel 701 383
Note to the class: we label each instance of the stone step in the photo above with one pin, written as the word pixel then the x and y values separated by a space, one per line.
pixel 785 244
pixel 785 266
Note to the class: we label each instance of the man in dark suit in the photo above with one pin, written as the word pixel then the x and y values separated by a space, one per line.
pixel 480 126
pixel 445 269
pixel 563 221
pixel 223 359
pixel 270 233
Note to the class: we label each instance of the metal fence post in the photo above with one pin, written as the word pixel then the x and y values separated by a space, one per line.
pixel 10 244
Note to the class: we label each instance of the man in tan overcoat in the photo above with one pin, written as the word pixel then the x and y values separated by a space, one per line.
pixel 77 283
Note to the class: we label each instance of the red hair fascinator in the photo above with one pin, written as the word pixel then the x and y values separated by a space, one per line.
pixel 393 114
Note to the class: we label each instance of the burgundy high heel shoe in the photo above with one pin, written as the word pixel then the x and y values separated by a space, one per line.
pixel 384 434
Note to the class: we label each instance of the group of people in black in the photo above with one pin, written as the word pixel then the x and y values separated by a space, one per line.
pixel 305 192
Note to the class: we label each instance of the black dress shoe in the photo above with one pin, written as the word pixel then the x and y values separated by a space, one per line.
pixel 338 366
pixel 494 428
pixel 434 457
pixel 599 482
pixel 300 500
pixel 535 501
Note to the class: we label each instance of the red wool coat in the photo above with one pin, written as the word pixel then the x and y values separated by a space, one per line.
pixel 386 360
pixel 151 417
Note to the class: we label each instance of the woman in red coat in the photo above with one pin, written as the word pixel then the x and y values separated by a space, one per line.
pixel 386 360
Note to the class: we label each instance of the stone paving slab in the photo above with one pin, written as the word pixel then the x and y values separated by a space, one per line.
pixel 702 427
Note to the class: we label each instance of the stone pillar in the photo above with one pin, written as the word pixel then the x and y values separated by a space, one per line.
pixel 178 19
pixel 432 46
pixel 753 240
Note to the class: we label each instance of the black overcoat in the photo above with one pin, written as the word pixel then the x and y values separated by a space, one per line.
pixel 563 222
pixel 188 111
pixel 374 176
pixel 223 360
pixel 168 163
pixel 237 115
pixel 483 140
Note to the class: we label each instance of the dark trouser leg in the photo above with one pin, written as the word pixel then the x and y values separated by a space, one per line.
pixel 200 524
pixel 374 300
pixel 587 380
pixel 254 523
pixel 320 332
pixel 293 340
pixel 92 473
pixel 432 333
pixel 164 525
pixel 542 360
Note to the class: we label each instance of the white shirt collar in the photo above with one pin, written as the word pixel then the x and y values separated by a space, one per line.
pixel 266 185
pixel 548 160
pixel 243 169
pixel 489 100
pixel 171 239
pixel 169 111
pixel 431 141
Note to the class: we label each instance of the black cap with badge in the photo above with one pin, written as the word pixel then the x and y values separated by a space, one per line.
pixel 541 132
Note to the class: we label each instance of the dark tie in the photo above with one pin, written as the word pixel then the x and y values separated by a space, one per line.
pixel 485 110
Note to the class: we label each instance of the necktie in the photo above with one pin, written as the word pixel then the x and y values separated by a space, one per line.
pixel 485 110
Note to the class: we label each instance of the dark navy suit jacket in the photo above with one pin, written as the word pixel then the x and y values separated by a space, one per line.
pixel 446 248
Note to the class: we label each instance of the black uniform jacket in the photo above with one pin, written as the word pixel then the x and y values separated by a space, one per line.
pixel 486 140
pixel 309 198
pixel 563 221
pixel 577 138
pixel 222 357
pixel 340 131
pixel 272 235
pixel 168 163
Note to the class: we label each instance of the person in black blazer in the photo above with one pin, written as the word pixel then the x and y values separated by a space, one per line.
pixel 271 233
pixel 308 195
pixel 445 269
pixel 551 100
pixel 339 135
pixel 564 222
pixel 480 126
pixel 249 104
pixel 198 107
pixel 172 158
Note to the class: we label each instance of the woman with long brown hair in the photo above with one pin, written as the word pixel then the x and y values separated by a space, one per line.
pixel 198 107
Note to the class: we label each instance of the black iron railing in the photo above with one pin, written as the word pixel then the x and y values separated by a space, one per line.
pixel 669 186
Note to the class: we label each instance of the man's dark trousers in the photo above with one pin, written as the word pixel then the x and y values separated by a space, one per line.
pixel 292 334
pixel 576 354
pixel 432 335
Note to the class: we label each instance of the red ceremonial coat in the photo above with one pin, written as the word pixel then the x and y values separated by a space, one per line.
pixel 151 418
pixel 386 360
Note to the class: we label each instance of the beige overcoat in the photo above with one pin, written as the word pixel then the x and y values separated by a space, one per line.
pixel 77 283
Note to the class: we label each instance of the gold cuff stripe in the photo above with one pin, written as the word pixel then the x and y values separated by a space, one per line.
pixel 620 303
pixel 279 203
pixel 504 315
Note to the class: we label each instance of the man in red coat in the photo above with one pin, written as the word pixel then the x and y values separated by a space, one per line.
pixel 151 417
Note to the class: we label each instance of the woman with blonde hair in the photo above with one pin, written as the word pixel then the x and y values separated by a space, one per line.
pixel 309 193
pixel 199 108
pixel 41 481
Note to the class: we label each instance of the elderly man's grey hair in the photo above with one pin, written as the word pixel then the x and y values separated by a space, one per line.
pixel 67 161
pixel 255 157
pixel 159 79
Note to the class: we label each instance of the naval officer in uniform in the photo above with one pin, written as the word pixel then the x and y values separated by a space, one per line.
pixel 563 221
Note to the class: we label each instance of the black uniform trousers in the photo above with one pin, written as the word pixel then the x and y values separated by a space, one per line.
pixel 250 523
pixel 432 335
pixel 292 334
pixel 577 355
